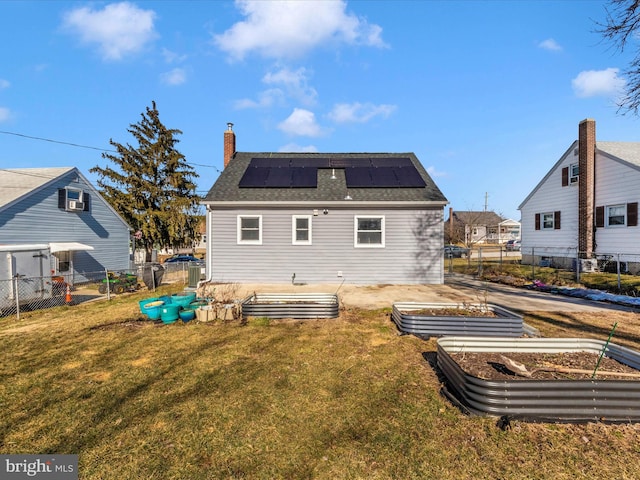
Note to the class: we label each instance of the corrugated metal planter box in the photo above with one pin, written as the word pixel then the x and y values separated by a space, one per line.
pixel 291 305
pixel 409 319
pixel 541 400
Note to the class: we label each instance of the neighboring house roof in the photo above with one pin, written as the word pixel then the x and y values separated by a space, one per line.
pixel 326 177
pixel 624 152
pixel 16 183
pixel 477 218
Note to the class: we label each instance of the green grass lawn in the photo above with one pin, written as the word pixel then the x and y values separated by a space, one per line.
pixel 346 398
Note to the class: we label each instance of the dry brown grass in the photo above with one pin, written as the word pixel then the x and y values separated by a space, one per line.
pixel 340 398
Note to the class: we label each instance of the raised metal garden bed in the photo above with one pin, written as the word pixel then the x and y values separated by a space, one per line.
pixel 291 305
pixel 425 320
pixel 541 400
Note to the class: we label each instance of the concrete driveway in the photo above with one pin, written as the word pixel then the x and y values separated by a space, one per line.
pixel 457 288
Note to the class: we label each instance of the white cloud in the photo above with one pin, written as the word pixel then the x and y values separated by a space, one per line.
pixel 289 29
pixel 301 123
pixel 293 147
pixel 359 112
pixel 287 84
pixel 4 83
pixel 295 84
pixel 433 172
pixel 550 44
pixel 266 99
pixel 177 76
pixel 119 29
pixel 172 57
pixel 591 83
pixel 5 114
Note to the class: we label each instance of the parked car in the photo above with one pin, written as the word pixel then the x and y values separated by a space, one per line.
pixel 455 251
pixel 512 246
pixel 185 259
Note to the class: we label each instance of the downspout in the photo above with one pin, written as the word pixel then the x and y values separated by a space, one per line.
pixel 209 270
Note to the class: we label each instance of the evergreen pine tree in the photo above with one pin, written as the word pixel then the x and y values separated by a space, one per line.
pixel 151 186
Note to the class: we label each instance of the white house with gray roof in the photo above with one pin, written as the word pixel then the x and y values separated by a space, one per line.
pixel 358 218
pixel 586 206
pixel 60 207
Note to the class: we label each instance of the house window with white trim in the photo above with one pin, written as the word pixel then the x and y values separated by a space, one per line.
pixel 616 215
pixel 369 232
pixel 250 229
pixel 301 229
pixel 547 220
pixel 574 173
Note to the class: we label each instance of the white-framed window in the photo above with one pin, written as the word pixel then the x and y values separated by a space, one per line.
pixel 616 215
pixel 301 230
pixel 369 231
pixel 574 173
pixel 547 220
pixel 250 229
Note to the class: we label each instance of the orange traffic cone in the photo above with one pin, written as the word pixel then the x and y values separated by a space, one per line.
pixel 67 297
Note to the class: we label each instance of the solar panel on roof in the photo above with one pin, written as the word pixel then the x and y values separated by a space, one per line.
pixel 384 177
pixel 409 177
pixel 279 177
pixel 345 162
pixel 358 177
pixel 254 177
pixel 304 177
pixel 310 162
pixel 391 162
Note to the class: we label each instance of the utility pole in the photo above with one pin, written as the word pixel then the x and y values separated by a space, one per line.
pixel 486 200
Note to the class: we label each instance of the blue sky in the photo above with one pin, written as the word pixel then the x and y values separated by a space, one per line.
pixel 488 94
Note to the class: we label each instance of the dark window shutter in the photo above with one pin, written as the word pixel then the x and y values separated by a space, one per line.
pixel 556 220
pixel 599 216
pixel 85 201
pixel 632 214
pixel 62 198
pixel 565 176
pixel 537 221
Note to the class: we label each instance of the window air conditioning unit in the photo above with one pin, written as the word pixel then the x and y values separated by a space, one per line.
pixel 76 205
pixel 588 265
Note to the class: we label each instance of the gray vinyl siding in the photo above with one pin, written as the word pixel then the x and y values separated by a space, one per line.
pixel 36 218
pixel 412 253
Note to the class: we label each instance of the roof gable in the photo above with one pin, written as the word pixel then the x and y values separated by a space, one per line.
pixel 329 177
pixel 17 183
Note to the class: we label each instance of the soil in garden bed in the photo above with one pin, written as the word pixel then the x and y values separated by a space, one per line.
pixel 451 312
pixel 489 365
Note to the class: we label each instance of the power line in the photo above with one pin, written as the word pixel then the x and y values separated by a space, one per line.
pixel 56 141
pixel 86 146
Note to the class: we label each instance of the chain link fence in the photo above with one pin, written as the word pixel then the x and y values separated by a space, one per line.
pixel 22 293
pixel 550 262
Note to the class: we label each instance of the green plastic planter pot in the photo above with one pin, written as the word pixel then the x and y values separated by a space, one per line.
pixel 187 314
pixel 169 313
pixel 152 310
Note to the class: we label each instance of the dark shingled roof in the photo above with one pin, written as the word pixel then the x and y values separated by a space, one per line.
pixel 227 189
pixel 469 217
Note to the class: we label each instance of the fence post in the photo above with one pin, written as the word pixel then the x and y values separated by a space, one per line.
pixel 577 266
pixel 106 273
pixel 533 263
pixel 618 263
pixel 17 297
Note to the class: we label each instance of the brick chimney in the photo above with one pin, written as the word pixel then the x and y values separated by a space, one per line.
pixel 229 144
pixel 586 186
